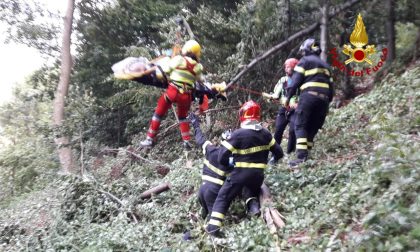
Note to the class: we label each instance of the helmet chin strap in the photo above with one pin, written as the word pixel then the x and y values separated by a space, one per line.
pixel 251 124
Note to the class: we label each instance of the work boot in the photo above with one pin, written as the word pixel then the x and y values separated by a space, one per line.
pixel 187 145
pixel 253 207
pixel 296 162
pixel 213 230
pixel 148 142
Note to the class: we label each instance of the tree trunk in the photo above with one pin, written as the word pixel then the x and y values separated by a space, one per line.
pixel 288 17
pixel 416 45
pixel 390 30
pixel 324 30
pixel 347 85
pixel 61 140
pixel 285 18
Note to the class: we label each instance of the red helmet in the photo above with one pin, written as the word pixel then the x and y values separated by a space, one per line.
pixel 292 62
pixel 250 110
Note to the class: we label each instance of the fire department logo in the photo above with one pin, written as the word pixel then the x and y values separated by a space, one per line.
pixel 359 39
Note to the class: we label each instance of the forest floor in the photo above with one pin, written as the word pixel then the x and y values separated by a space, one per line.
pixel 359 191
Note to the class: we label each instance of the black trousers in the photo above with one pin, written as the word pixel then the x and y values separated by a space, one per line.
pixel 206 196
pixel 283 118
pixel 252 178
pixel 310 116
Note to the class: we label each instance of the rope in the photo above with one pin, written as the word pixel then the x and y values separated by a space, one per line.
pixel 246 90
pixel 253 92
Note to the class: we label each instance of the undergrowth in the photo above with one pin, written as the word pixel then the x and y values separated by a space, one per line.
pixel 359 191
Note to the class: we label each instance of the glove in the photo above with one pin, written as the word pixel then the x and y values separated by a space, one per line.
pixel 266 95
pixel 219 87
pixel 195 121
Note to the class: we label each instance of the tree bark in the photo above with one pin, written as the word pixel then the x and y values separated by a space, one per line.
pixel 348 87
pixel 265 196
pixel 416 45
pixel 61 140
pixel 284 43
pixel 188 28
pixel 155 190
pixel 390 30
pixel 288 17
pixel 324 30
pixel 272 217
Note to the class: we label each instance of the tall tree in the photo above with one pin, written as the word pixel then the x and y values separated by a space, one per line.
pixel 288 15
pixel 324 29
pixel 390 29
pixel 61 139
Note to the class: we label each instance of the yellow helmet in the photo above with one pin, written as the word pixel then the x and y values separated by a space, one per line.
pixel 192 46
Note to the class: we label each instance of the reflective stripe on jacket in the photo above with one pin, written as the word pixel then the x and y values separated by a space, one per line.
pixel 312 74
pixel 183 71
pixel 249 148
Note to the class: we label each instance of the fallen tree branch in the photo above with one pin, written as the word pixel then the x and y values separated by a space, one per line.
pixel 155 190
pixel 134 155
pixel 167 129
pixel 276 216
pixel 284 43
pixel 114 198
pixel 139 157
pixel 271 216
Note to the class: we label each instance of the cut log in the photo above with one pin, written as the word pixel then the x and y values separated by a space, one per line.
pixel 155 190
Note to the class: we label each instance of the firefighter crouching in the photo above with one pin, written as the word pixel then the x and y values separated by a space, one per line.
pixel 250 146
pixel 214 173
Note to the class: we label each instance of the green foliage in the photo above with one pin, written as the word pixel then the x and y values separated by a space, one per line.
pixel 29 23
pixel 27 159
pixel 406 40
pixel 359 192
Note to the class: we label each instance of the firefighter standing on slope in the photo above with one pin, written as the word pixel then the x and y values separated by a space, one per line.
pixel 285 116
pixel 312 76
pixel 249 146
pixel 182 71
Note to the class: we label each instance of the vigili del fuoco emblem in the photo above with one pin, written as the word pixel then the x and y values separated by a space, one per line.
pixel 359 39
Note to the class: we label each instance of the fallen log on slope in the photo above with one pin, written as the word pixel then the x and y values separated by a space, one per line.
pixel 271 215
pixel 155 190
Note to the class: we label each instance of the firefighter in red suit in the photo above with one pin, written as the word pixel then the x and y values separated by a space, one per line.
pixel 182 71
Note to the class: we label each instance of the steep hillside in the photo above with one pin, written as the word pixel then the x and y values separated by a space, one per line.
pixel 360 190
